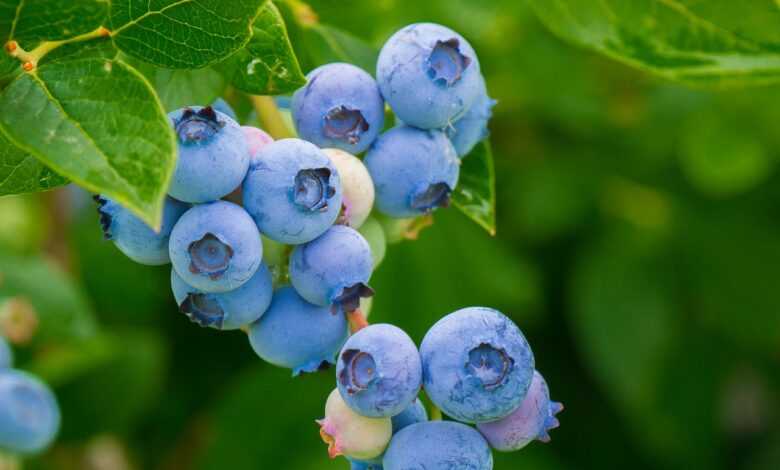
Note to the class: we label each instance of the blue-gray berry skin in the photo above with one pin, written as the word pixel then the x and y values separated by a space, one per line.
pixel 477 365
pixel 412 414
pixel 362 465
pixel 438 445
pixel 472 128
pixel 6 355
pixel 414 171
pixel 133 237
pixel 216 247
pixel 532 420
pixel 378 371
pixel 296 334
pixel 340 107
pixel 227 310
pixel 212 154
pixel 292 191
pixel 333 269
pixel 429 74
pixel 29 414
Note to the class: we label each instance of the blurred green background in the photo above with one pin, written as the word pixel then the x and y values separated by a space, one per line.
pixel 638 248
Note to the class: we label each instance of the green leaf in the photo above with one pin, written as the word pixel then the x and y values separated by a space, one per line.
pixel 475 195
pixel 20 172
pixel 60 307
pixel 182 34
pixel 97 122
pixel 718 42
pixel 267 65
pixel 179 88
pixel 318 44
pixel 30 22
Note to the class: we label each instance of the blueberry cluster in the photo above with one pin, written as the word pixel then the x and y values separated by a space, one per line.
pixel 475 365
pixel 29 414
pixel 276 238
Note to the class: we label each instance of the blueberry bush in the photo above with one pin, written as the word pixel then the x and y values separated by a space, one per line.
pixel 279 170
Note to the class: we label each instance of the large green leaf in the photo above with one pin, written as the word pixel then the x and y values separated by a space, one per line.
pixel 179 88
pixel 60 307
pixel 267 65
pixel 317 44
pixel 185 34
pixel 98 122
pixel 475 195
pixel 714 42
pixel 48 20
pixel 20 172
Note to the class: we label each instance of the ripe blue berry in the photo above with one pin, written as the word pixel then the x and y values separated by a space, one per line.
pixel 216 247
pixel 296 334
pixel 429 74
pixel 379 372
pixel 531 421
pixel 477 365
pixel 227 310
pixel 414 171
pixel 357 186
pixel 213 156
pixel 361 465
pixel 339 107
pixel 292 191
pixel 333 269
pixel 350 434
pixel 438 445
pixel 413 414
pixel 133 237
pixel 6 355
pixel 29 415
pixel 471 129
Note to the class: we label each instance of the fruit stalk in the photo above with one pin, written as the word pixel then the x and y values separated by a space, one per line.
pixel 270 117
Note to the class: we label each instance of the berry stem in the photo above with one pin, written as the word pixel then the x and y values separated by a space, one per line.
pixel 270 117
pixel 31 58
pixel 435 413
pixel 357 321
pixel 9 461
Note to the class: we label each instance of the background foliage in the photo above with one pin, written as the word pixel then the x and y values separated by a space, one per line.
pixel 638 245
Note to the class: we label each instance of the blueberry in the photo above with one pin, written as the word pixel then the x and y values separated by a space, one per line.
pixel 531 421
pixel 6 355
pixel 228 310
pixel 334 269
pixel 216 247
pixel 133 237
pixel 438 445
pixel 256 139
pixel 293 191
pixel 223 107
pixel 213 157
pixel 412 414
pixel 29 415
pixel 296 334
pixel 339 107
pixel 349 434
pixel 477 365
pixel 357 186
pixel 379 373
pixel 471 129
pixel 362 465
pixel 414 171
pixel 374 234
pixel 428 74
